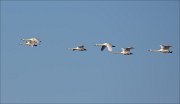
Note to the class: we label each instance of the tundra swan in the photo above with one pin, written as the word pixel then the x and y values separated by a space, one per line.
pixel 104 45
pixel 125 51
pixel 78 48
pixel 31 42
pixel 163 49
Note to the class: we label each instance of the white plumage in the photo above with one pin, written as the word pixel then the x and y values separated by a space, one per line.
pixel 163 49
pixel 104 45
pixel 125 51
pixel 78 48
pixel 31 42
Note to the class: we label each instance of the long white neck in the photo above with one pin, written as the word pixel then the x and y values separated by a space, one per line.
pixel 154 50
pixel 98 44
pixel 116 52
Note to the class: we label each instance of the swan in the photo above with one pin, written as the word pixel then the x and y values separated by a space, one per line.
pixel 104 45
pixel 163 49
pixel 78 48
pixel 31 42
pixel 125 51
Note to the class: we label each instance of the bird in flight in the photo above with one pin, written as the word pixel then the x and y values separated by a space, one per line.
pixel 78 48
pixel 125 51
pixel 104 45
pixel 31 42
pixel 163 49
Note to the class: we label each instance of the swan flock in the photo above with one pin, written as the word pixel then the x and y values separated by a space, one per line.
pixel 32 42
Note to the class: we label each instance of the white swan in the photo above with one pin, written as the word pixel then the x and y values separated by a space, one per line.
pixel 104 45
pixel 125 51
pixel 78 48
pixel 31 42
pixel 163 49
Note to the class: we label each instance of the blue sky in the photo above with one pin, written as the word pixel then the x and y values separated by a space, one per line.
pixel 53 74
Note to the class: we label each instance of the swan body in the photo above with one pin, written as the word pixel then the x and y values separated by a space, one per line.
pixel 31 42
pixel 78 48
pixel 163 49
pixel 104 45
pixel 125 51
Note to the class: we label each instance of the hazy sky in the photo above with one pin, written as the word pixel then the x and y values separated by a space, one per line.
pixel 53 74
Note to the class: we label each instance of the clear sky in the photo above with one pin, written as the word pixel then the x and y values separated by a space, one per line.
pixel 53 74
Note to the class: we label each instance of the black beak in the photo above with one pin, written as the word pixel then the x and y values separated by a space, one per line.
pixel 113 46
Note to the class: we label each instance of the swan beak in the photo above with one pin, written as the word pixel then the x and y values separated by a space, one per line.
pixel 113 46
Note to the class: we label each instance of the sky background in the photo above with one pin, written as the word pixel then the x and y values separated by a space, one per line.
pixel 53 74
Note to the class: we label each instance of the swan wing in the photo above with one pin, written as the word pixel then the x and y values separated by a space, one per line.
pixel 103 47
pixel 165 47
pixel 123 49
pixel 109 47
pixel 82 46
pixel 128 49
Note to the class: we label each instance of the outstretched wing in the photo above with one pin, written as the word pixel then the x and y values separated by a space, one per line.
pixel 103 47
pixel 82 46
pixel 32 40
pixel 36 41
pixel 123 49
pixel 109 47
pixel 165 46
pixel 128 49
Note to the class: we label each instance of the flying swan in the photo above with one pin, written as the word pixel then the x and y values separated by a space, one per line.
pixel 104 45
pixel 163 49
pixel 31 42
pixel 78 48
pixel 125 51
